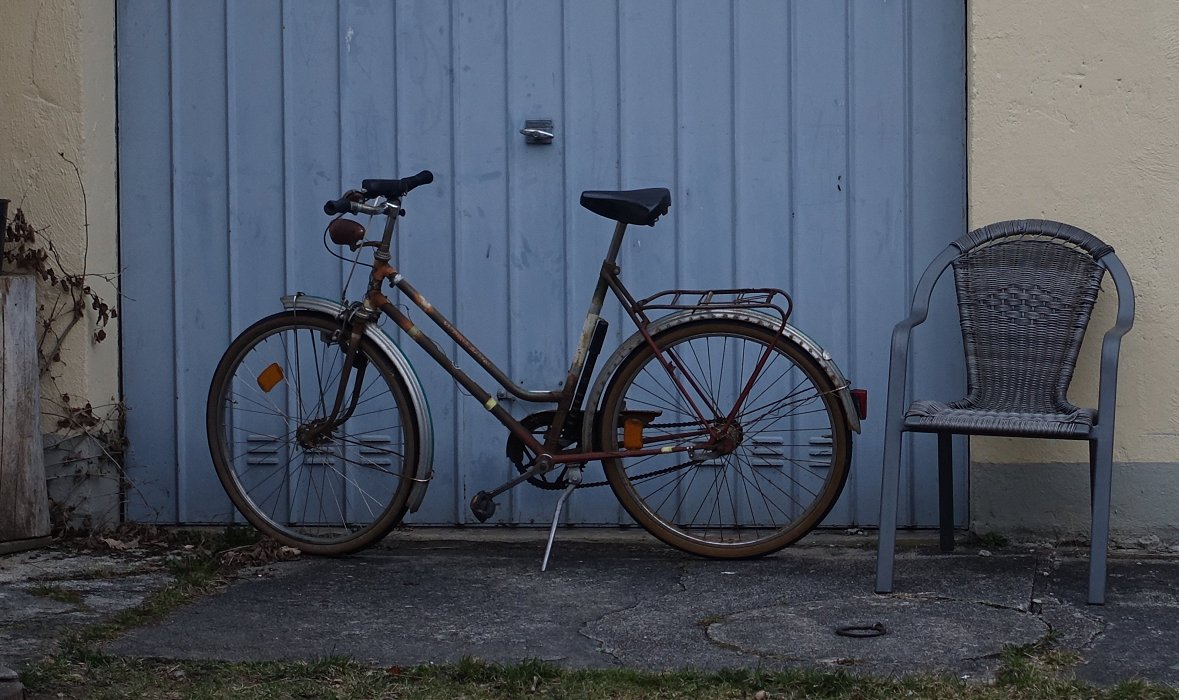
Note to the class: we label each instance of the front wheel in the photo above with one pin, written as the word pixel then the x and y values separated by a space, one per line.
pixel 326 487
pixel 754 484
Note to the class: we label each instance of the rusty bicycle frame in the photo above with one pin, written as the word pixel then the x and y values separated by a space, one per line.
pixel 572 393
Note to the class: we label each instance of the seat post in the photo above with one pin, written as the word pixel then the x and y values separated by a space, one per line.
pixel 616 242
pixel 599 297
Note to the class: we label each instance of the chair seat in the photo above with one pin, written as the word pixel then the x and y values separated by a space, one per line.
pixel 935 416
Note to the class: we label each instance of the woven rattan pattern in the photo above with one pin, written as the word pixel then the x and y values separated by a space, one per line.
pixel 1024 304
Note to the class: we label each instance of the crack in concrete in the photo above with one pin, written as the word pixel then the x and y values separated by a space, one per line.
pixel 737 649
pixel 639 600
pixel 1046 563
pixel 951 599
pixel 1102 626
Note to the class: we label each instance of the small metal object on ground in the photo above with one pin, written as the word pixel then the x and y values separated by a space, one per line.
pixel 862 631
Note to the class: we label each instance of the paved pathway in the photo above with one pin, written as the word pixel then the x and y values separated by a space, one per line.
pixel 613 599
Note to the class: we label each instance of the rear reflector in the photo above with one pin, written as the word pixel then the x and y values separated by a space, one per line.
pixel 860 399
pixel 632 434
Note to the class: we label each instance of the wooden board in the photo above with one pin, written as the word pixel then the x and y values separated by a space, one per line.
pixel 24 504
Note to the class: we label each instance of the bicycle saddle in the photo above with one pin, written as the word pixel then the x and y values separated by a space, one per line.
pixel 639 207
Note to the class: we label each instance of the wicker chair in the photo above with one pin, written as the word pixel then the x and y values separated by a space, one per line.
pixel 1025 293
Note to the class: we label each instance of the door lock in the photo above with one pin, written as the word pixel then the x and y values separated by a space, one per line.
pixel 538 132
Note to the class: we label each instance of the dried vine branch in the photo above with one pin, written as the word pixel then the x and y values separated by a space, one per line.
pixel 69 303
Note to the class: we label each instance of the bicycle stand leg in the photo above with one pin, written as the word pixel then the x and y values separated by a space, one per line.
pixel 556 519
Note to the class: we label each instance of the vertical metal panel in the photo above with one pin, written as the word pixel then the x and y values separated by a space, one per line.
pixel 425 124
pixel 254 93
pixel 936 103
pixel 536 215
pixel 879 201
pixel 481 178
pixel 201 246
pixel 591 108
pixel 812 146
pixel 145 210
pixel 819 108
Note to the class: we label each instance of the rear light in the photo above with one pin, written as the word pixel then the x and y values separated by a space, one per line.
pixel 860 399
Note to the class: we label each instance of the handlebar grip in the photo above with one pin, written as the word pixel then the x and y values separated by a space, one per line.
pixel 337 206
pixel 423 178
pixel 393 189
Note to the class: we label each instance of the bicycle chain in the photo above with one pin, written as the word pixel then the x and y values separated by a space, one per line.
pixel 668 470
pixel 657 472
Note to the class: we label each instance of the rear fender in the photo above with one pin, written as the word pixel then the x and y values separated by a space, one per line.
pixel 817 353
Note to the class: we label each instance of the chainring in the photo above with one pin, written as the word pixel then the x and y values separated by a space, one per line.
pixel 538 424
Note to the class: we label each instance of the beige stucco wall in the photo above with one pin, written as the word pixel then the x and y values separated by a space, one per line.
pixel 1073 114
pixel 57 96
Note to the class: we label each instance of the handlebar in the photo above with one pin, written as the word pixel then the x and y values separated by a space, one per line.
pixel 352 202
pixel 345 205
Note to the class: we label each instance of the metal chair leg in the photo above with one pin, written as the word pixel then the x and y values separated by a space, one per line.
pixel 945 484
pixel 889 492
pixel 1101 464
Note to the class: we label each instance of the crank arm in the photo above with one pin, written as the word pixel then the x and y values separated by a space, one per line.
pixel 483 503
pixel 532 471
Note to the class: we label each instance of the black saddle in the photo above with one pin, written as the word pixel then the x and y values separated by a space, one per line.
pixel 639 207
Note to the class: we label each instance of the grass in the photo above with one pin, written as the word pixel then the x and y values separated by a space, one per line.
pixel 98 676
pixel 61 595
pixel 201 564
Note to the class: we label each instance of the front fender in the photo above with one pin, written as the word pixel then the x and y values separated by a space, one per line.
pixel 820 356
pixel 424 469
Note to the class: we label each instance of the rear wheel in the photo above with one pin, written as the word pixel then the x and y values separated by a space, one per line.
pixel 322 488
pixel 770 476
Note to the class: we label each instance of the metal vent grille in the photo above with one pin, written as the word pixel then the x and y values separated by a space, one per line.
pixel 377 450
pixel 820 452
pixel 262 450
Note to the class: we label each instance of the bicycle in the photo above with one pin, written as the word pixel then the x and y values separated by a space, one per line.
pixel 722 429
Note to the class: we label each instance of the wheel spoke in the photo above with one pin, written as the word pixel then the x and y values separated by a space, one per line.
pixel 326 491
pixel 759 490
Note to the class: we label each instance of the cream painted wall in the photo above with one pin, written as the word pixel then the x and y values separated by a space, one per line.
pixel 1073 114
pixel 57 96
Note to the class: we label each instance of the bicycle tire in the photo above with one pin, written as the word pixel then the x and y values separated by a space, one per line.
pixel 796 444
pixel 348 489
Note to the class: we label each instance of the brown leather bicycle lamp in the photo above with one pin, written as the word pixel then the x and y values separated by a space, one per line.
pixel 346 232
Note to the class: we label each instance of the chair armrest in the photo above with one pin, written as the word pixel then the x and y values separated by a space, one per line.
pixel 1111 343
pixel 898 363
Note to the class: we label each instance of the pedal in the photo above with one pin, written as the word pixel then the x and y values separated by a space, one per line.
pixel 483 506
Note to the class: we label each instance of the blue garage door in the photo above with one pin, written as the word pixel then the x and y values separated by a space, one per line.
pixel 814 146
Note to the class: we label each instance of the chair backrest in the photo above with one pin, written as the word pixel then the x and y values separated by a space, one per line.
pixel 1026 290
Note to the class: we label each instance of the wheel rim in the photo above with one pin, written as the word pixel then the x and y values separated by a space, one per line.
pixel 306 485
pixel 781 464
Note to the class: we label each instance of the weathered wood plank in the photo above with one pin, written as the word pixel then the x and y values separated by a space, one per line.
pixel 24 504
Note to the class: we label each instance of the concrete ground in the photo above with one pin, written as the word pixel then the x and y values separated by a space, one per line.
pixel 619 598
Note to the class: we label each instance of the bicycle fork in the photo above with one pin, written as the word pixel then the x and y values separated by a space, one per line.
pixel 319 431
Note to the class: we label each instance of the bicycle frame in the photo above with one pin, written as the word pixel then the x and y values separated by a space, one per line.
pixel 571 395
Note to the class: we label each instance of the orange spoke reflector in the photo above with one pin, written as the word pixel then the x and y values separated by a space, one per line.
pixel 270 376
pixel 632 433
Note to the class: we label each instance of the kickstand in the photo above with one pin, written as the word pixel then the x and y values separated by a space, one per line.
pixel 556 519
